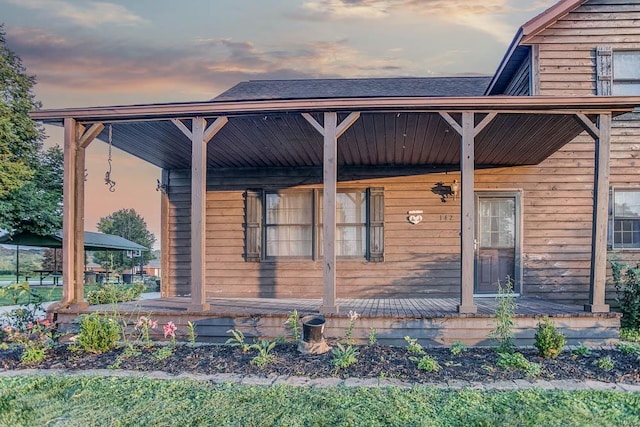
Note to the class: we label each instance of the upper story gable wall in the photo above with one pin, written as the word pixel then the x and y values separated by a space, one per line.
pixel 566 50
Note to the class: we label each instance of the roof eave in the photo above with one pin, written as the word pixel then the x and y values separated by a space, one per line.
pixel 234 108
pixel 505 60
pixel 537 24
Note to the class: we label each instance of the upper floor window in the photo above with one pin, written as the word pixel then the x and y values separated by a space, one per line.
pixel 626 72
pixel 626 219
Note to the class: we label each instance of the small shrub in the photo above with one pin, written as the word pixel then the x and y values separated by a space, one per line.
pixel 413 346
pixel 629 348
pixel 630 334
pixel 518 361
pixel 581 350
pixel 292 323
pixel 458 348
pixel 548 340
pixel 605 363
pixel 112 293
pixel 163 352
pixel 33 355
pixel 264 356
pixel 343 357
pixel 237 340
pixel 627 283
pixel 373 336
pixel 98 334
pixel 426 363
pixel 505 310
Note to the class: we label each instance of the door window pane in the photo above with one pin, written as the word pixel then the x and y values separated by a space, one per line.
pixel 497 225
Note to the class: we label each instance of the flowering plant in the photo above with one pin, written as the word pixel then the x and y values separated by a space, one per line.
pixel 170 331
pixel 144 325
pixel 348 334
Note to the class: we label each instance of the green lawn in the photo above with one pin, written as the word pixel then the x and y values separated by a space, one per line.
pixel 48 293
pixel 83 401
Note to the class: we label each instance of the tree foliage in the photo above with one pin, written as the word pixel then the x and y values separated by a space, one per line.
pixel 129 224
pixel 30 177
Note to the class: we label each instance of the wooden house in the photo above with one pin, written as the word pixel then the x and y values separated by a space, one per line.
pixel 407 200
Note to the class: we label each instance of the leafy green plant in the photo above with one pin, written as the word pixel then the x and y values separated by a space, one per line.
pixel 112 293
pixel 605 363
pixel 426 363
pixel 292 323
pixel 33 355
pixel 36 339
pixel 630 334
pixel 518 361
pixel 457 348
pixel 581 350
pixel 98 334
pixel 144 325
pixel 343 357
pixel 192 332
pixel 548 340
pixel 627 283
pixel 237 340
pixel 505 311
pixel 629 348
pixel 264 356
pixel 373 336
pixel 413 346
pixel 348 333
pixel 163 352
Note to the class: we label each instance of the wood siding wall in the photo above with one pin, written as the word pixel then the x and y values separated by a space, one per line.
pixel 567 48
pixel 420 260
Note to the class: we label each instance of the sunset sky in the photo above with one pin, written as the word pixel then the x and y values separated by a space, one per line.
pixel 89 53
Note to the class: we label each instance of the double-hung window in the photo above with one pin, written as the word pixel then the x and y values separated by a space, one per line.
pixel 626 219
pixel 287 224
pixel 626 72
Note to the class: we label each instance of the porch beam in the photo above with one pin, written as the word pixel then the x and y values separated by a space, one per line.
pixel 183 128
pixel 346 123
pixel 591 128
pixel 447 117
pixel 200 136
pixel 483 124
pixel 86 137
pixel 329 178
pixel 598 273
pixel 317 126
pixel 467 222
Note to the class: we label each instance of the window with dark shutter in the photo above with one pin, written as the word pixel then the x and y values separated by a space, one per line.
pixel 253 221
pixel 376 224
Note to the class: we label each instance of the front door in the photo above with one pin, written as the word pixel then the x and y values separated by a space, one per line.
pixel 497 237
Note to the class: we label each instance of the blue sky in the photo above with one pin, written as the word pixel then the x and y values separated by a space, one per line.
pixel 88 53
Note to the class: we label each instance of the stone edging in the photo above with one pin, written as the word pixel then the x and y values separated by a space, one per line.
pixel 520 384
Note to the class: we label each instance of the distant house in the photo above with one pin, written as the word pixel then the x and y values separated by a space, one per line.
pixel 404 189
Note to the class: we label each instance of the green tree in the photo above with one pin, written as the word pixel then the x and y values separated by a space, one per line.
pixel 129 224
pixel 30 178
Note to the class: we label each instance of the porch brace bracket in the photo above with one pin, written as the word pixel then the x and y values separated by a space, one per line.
pixel 199 134
pixel 601 133
pixel 76 139
pixel 331 131
pixel 468 131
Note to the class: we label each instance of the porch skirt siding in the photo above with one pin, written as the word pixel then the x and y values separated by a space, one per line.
pixel 421 260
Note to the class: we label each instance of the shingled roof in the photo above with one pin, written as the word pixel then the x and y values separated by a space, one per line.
pixel 254 90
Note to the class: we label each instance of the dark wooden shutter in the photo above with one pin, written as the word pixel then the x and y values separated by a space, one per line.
pixel 376 224
pixel 252 225
pixel 604 70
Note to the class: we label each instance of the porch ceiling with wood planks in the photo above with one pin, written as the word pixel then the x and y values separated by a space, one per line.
pixel 389 132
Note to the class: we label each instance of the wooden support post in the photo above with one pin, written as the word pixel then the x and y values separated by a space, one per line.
pixel 598 274
pixel 331 131
pixel 79 302
pixel 329 181
pixel 467 223
pixel 200 136
pixel 165 284
pixel 68 216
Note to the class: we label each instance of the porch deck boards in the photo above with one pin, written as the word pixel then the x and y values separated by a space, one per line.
pixel 366 307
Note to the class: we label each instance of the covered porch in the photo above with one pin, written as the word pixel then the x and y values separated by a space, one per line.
pixel 355 137
pixel 434 321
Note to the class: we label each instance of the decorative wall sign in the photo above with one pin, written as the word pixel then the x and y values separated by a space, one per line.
pixel 415 217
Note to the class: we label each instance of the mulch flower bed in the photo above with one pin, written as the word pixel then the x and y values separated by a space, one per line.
pixel 373 361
